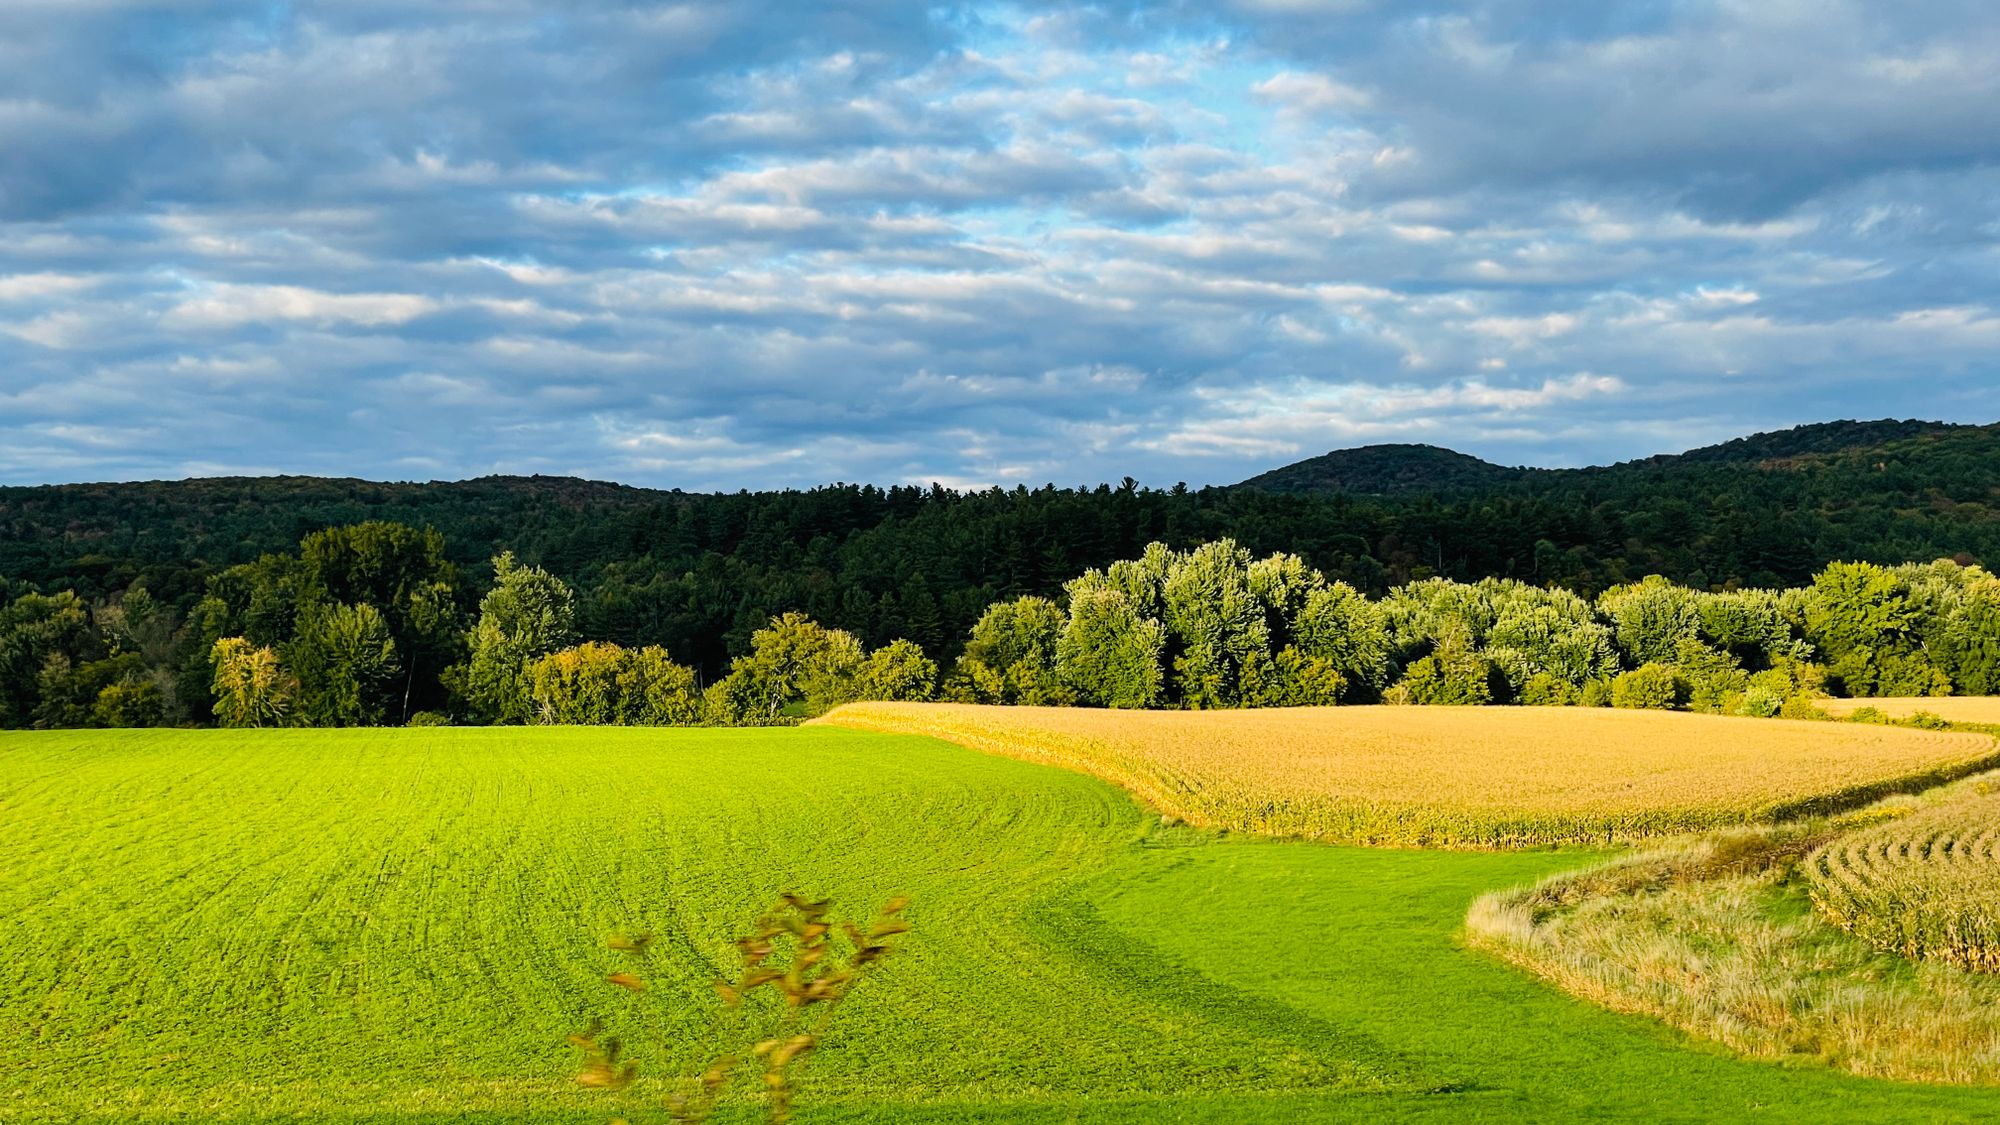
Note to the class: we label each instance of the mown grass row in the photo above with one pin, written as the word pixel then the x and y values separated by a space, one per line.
pixel 1457 777
pixel 1925 885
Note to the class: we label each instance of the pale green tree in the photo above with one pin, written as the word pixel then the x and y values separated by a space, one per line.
pixel 1958 622
pixel 1453 675
pixel 1215 621
pixel 898 672
pixel 1010 656
pixel 1651 687
pixel 1865 622
pixel 1339 625
pixel 528 614
pixel 1284 584
pixel 1109 654
pixel 1292 678
pixel 1651 618
pixel 1750 625
pixel 250 685
pixel 795 666
pixel 654 691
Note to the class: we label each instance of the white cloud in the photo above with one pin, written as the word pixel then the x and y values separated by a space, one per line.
pixel 743 250
pixel 1311 93
pixel 40 286
pixel 231 305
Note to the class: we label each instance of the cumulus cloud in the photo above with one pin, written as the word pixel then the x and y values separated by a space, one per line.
pixel 773 243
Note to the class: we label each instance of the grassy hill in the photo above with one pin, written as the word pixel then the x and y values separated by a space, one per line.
pixel 402 926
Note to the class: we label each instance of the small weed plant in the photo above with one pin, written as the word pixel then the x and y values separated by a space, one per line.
pixel 798 967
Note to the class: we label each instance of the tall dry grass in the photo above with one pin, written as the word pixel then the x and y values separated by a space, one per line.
pixel 1713 937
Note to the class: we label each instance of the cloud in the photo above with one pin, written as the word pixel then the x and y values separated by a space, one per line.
pixel 231 306
pixel 1730 109
pixel 772 243
pixel 1311 94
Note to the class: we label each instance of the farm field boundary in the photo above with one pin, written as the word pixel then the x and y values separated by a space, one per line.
pixel 1457 777
pixel 1982 710
pixel 1719 936
pixel 400 927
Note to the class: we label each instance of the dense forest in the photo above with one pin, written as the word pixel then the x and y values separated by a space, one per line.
pixel 156 572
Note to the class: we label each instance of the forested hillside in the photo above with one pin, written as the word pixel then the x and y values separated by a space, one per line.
pixel 698 573
pixel 1384 470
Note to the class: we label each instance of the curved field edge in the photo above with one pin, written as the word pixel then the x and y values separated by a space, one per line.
pixel 218 925
pixel 1238 790
pixel 1925 884
pixel 1716 937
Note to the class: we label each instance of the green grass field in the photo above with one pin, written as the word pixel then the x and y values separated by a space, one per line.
pixel 402 926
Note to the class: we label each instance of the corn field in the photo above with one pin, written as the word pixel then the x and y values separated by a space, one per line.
pixel 1926 885
pixel 1951 708
pixel 1456 777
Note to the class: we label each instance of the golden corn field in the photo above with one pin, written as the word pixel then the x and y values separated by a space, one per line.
pixel 1952 708
pixel 1449 777
pixel 1926 885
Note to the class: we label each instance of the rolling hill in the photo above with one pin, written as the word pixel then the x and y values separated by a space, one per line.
pixel 698 572
pixel 1406 470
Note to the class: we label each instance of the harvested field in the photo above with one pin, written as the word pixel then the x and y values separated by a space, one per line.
pixel 1456 777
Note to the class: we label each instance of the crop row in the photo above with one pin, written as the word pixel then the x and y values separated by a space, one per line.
pixel 1926 886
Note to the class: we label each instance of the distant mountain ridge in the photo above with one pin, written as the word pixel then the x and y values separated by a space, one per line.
pixel 698 572
pixel 1396 470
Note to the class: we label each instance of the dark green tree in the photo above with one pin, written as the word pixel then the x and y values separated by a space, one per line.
pixel 345 659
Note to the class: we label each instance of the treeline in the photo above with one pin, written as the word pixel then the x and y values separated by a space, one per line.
pixel 371 625
pixel 375 624
pixel 1215 627
pixel 698 574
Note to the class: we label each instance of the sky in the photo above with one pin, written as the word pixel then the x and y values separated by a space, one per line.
pixel 770 244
